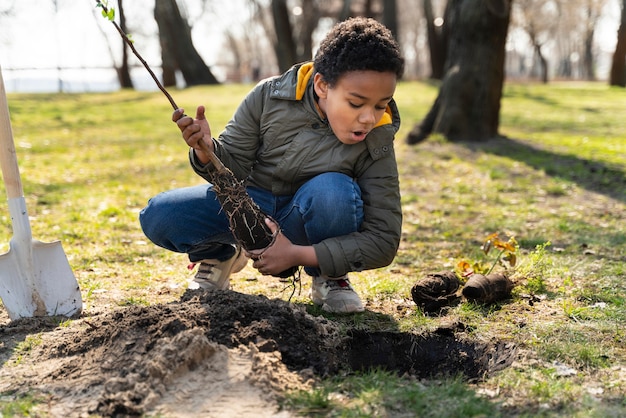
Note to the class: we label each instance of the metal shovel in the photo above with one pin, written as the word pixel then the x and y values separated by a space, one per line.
pixel 35 277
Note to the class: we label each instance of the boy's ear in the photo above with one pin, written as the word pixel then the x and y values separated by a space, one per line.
pixel 320 85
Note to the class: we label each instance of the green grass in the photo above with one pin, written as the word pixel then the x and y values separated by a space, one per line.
pixel 381 394
pixel 89 162
pixel 18 406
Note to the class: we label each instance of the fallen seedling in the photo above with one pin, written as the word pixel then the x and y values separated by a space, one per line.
pixel 483 285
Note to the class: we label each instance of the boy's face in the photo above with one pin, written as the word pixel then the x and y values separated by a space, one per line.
pixel 356 103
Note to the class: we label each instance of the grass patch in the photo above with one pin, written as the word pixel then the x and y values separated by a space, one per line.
pixel 14 406
pixel 380 394
pixel 90 162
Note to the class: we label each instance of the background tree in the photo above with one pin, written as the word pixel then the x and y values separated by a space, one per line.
pixel 618 70
pixel 123 72
pixel 284 43
pixel 575 37
pixel 290 29
pixel 390 16
pixel 468 104
pixel 592 11
pixel 437 32
pixel 294 23
pixel 539 18
pixel 177 49
pixel 241 37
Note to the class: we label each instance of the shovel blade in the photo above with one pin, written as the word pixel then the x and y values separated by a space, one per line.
pixel 41 284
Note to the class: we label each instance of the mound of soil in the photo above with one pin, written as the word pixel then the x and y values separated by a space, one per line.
pixel 213 353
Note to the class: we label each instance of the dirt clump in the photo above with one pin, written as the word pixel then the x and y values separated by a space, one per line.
pixel 214 352
pixel 488 288
pixel 436 290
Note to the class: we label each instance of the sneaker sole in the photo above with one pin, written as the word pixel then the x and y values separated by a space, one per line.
pixel 344 310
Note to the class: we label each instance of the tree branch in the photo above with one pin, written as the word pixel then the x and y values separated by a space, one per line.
pixel 132 47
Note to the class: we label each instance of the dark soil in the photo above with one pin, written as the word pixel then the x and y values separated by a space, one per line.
pixel 140 360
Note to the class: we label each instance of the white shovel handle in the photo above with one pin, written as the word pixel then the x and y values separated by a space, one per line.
pixel 8 157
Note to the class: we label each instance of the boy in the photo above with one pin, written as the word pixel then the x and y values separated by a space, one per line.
pixel 315 149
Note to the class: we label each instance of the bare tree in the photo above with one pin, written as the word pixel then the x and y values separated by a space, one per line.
pixel 346 10
pixel 437 31
pixel 390 16
pixel 592 10
pixel 307 23
pixel 539 18
pixel 177 49
pixel 293 31
pixel 123 72
pixel 468 104
pixel 284 45
pixel 618 70
pixel 574 36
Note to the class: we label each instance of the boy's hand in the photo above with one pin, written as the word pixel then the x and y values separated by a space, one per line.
pixel 194 131
pixel 276 258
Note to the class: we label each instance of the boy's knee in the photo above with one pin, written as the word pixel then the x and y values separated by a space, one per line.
pixel 335 193
pixel 153 219
pixel 146 220
pixel 334 184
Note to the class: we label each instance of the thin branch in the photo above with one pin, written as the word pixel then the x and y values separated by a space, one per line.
pixel 145 64
pixel 214 159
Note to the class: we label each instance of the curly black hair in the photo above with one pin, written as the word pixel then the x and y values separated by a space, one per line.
pixel 358 44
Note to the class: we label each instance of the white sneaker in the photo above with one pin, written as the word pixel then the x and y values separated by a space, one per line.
pixel 214 274
pixel 335 295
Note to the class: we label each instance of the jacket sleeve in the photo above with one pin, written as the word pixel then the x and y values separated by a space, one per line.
pixel 377 242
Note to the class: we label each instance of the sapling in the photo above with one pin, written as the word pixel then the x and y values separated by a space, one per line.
pixel 482 284
pixel 247 221
pixel 505 257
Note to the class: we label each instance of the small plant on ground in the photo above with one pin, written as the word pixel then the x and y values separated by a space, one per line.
pixel 506 257
pixel 534 269
pixel 484 285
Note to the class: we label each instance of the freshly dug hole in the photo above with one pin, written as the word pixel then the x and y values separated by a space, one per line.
pixel 441 353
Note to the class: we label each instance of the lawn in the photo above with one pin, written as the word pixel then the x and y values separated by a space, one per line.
pixel 555 181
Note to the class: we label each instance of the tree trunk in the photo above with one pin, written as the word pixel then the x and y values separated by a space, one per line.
pixel 123 73
pixel 588 61
pixel 310 18
pixel 284 46
pixel 390 16
pixel 468 105
pixel 437 40
pixel 543 63
pixel 346 10
pixel 618 72
pixel 177 50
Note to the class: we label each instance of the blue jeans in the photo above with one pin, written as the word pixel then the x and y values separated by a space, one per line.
pixel 190 220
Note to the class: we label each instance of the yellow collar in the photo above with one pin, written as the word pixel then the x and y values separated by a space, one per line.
pixel 304 74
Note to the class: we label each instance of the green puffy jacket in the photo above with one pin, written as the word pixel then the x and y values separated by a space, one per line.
pixel 277 141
